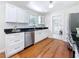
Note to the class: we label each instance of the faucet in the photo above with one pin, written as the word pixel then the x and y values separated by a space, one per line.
pixel 34 26
pixel 15 29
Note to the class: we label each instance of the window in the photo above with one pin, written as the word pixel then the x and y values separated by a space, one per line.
pixel 36 19
pixel 33 19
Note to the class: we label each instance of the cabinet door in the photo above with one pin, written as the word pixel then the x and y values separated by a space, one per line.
pixel 40 35
pixel 19 15
pixel 22 16
pixel 25 17
pixel 13 49
pixel 10 13
pixel 14 43
pixel 44 33
pixel 12 39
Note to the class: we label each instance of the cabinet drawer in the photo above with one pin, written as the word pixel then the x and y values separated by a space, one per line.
pixel 14 38
pixel 12 49
pixel 40 35
pixel 13 42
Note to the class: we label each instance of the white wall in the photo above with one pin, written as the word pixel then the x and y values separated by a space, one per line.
pixel 65 16
pixel 2 36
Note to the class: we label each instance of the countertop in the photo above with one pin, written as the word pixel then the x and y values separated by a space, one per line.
pixel 9 31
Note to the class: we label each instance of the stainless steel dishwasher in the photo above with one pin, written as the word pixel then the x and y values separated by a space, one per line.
pixel 28 38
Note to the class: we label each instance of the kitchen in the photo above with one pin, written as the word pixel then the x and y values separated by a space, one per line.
pixel 25 24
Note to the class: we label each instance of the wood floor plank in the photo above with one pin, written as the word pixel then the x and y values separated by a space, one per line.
pixel 48 48
pixel 2 55
pixel 34 50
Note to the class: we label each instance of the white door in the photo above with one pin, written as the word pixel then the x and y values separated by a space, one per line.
pixel 57 26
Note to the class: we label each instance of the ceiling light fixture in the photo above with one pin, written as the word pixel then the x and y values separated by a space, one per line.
pixel 50 4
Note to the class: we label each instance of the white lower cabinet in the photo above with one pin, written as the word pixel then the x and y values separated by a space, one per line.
pixel 40 35
pixel 14 43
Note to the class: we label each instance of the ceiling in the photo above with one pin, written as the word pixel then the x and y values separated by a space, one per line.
pixel 43 6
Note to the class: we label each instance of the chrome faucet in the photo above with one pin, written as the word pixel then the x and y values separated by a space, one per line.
pixel 15 29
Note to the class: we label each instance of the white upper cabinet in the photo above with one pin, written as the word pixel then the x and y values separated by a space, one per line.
pixel 10 13
pixel 16 14
pixel 26 17
pixel 22 16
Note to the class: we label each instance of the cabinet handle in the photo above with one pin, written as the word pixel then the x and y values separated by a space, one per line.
pixel 17 48
pixel 17 40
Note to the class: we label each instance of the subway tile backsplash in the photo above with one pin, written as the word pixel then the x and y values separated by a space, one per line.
pixel 17 25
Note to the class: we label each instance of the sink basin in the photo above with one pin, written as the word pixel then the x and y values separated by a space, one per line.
pixel 16 30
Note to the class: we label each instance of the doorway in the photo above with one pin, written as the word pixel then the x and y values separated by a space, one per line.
pixel 57 27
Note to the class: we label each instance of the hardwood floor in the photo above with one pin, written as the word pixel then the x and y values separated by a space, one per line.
pixel 2 55
pixel 48 48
